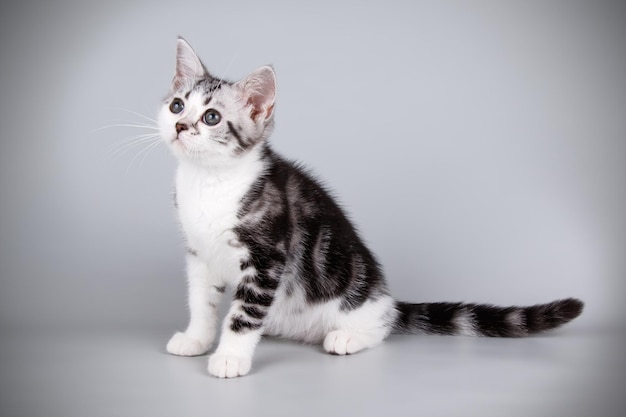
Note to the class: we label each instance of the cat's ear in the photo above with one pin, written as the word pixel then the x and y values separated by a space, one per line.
pixel 258 90
pixel 189 68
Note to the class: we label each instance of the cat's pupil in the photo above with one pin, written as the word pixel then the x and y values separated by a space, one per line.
pixel 177 106
pixel 211 117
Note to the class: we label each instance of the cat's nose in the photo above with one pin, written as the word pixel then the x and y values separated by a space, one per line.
pixel 181 126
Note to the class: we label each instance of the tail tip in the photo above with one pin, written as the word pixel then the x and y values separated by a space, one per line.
pixel 570 308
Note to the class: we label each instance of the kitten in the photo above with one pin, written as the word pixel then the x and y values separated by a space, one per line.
pixel 262 225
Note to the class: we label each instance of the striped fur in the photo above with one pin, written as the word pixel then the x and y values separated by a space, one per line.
pixel 267 228
pixel 484 319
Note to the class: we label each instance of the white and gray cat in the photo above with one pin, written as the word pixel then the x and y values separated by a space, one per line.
pixel 262 225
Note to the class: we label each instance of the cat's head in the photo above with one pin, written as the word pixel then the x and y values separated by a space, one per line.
pixel 211 121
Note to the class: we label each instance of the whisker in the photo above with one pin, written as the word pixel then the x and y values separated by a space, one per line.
pixel 145 150
pixel 130 143
pixel 141 144
pixel 232 60
pixel 150 149
pixel 125 125
pixel 122 149
pixel 139 135
pixel 135 113
pixel 135 137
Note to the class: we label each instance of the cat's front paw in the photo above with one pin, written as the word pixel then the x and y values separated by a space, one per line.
pixel 183 345
pixel 229 366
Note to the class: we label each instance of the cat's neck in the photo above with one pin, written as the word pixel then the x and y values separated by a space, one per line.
pixel 226 169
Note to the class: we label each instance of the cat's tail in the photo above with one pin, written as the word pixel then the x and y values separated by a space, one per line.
pixel 484 319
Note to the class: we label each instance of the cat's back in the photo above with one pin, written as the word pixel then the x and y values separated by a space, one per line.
pixel 303 194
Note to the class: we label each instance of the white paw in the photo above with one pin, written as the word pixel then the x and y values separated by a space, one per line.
pixel 339 342
pixel 228 366
pixel 183 345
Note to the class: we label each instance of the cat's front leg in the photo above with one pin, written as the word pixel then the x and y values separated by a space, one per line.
pixel 204 297
pixel 243 326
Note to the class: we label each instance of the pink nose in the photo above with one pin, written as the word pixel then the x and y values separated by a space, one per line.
pixel 181 126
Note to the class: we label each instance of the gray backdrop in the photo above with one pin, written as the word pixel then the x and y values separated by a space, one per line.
pixel 480 148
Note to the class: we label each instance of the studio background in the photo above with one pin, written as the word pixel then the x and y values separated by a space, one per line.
pixel 480 149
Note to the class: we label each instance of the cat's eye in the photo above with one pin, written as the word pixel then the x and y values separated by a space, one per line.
pixel 176 106
pixel 211 117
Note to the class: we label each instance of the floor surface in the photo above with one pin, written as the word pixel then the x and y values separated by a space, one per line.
pixel 569 372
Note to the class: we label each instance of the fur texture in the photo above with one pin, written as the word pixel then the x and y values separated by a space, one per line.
pixel 265 227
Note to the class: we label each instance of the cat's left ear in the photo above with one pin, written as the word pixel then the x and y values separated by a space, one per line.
pixel 189 68
pixel 258 90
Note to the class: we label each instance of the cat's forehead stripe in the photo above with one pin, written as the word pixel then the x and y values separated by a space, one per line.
pixel 210 85
pixel 206 86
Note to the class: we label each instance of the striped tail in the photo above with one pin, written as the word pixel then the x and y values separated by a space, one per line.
pixel 484 319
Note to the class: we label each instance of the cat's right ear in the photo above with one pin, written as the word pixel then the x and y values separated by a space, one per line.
pixel 189 68
pixel 258 90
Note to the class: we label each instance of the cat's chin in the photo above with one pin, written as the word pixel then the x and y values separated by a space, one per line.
pixel 182 150
pixel 178 148
pixel 183 155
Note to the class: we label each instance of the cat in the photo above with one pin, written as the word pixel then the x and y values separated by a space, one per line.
pixel 264 226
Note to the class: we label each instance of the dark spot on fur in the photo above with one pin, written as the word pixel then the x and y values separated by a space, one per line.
pixel 239 325
pixel 254 312
pixel 243 145
pixel 245 264
pixel 250 296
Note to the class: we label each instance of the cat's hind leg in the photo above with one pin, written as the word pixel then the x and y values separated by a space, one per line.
pixel 362 328
pixel 347 342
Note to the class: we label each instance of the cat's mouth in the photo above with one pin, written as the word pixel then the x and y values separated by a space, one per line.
pixel 178 142
pixel 184 135
pixel 178 137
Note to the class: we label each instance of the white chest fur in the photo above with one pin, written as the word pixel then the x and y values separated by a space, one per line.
pixel 208 203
